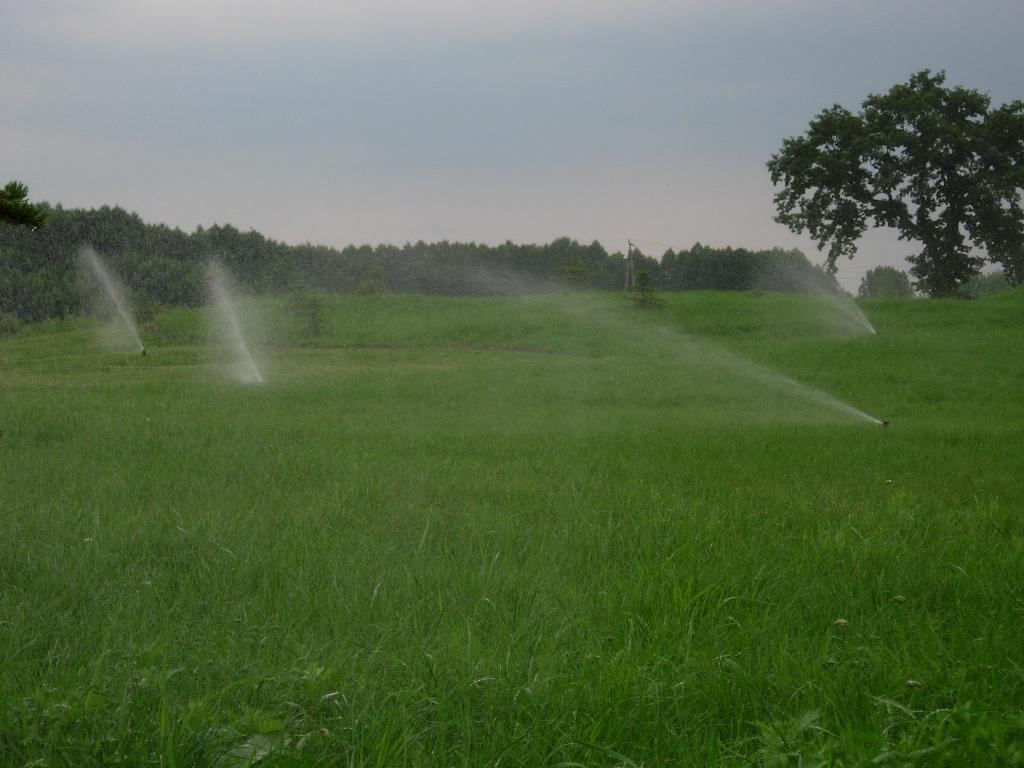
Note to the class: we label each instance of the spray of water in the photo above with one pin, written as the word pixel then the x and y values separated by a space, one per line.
pixel 771 377
pixel 706 353
pixel 218 284
pixel 848 315
pixel 594 314
pixel 836 307
pixel 92 265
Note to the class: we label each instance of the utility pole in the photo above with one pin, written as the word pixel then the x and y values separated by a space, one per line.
pixel 630 277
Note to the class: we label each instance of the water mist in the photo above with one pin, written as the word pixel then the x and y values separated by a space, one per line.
pixel 91 264
pixel 848 315
pixel 218 284
pixel 704 352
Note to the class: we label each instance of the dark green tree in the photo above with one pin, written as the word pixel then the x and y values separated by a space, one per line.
pixel 16 209
pixel 644 294
pixel 938 164
pixel 574 270
pixel 372 282
pixel 885 283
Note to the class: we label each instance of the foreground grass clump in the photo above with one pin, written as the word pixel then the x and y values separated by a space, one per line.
pixel 532 531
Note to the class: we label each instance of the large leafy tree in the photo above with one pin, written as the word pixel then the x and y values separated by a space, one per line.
pixel 939 164
pixel 885 283
pixel 16 209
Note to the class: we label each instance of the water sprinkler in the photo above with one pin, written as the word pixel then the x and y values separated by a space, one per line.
pixel 883 423
pixel 143 351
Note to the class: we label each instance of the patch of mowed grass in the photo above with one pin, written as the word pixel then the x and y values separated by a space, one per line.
pixel 533 531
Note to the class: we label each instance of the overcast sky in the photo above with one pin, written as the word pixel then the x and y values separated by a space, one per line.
pixel 358 121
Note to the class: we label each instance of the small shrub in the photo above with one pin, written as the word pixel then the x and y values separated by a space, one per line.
pixel 644 294
pixel 988 284
pixel 372 282
pixel 9 323
pixel 308 311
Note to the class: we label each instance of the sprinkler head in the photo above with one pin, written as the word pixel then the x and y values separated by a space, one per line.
pixel 143 351
pixel 883 423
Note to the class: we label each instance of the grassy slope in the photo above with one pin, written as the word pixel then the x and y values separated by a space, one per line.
pixel 528 531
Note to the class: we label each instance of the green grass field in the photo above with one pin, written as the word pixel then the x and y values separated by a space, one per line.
pixel 539 531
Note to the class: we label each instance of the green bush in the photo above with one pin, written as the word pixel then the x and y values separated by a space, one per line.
pixel 308 311
pixel 372 282
pixel 988 284
pixel 644 295
pixel 885 283
pixel 9 323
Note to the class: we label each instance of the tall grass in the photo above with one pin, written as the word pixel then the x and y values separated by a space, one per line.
pixel 534 531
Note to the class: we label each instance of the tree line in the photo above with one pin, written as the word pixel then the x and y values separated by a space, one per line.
pixel 161 265
pixel 941 165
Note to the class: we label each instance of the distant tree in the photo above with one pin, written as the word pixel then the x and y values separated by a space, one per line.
pixel 644 294
pixel 986 285
pixel 372 282
pixel 308 311
pixel 16 209
pixel 33 288
pixel 936 163
pixel 9 323
pixel 885 283
pixel 574 271
pixel 637 260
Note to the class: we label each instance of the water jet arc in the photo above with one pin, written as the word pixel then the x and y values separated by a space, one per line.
pixel 103 276
pixel 217 281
